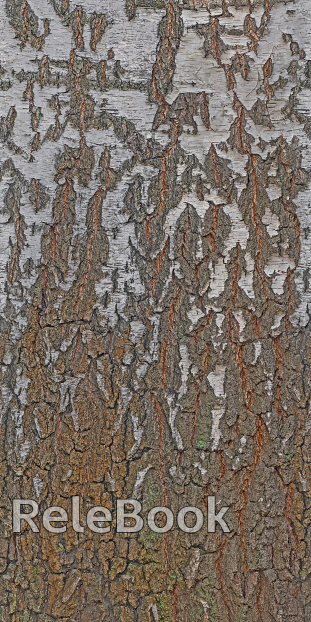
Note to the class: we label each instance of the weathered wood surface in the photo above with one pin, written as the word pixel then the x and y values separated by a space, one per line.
pixel 154 290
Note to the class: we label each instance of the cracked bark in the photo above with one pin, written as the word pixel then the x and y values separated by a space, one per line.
pixel 154 304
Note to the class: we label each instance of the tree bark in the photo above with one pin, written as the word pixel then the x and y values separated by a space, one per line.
pixel 154 292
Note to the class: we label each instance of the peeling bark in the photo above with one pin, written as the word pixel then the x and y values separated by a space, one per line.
pixel 154 304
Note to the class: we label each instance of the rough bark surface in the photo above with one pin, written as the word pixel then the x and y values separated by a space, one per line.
pixel 154 288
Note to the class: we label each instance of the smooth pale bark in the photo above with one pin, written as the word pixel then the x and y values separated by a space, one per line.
pixel 154 305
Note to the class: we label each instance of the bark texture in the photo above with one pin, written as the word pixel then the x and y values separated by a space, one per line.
pixel 154 290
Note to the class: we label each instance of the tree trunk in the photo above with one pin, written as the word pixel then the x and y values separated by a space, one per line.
pixel 154 292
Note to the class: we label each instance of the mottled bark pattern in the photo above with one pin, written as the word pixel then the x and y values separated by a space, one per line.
pixel 154 290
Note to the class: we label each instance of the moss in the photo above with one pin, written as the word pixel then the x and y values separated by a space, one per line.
pixel 165 610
